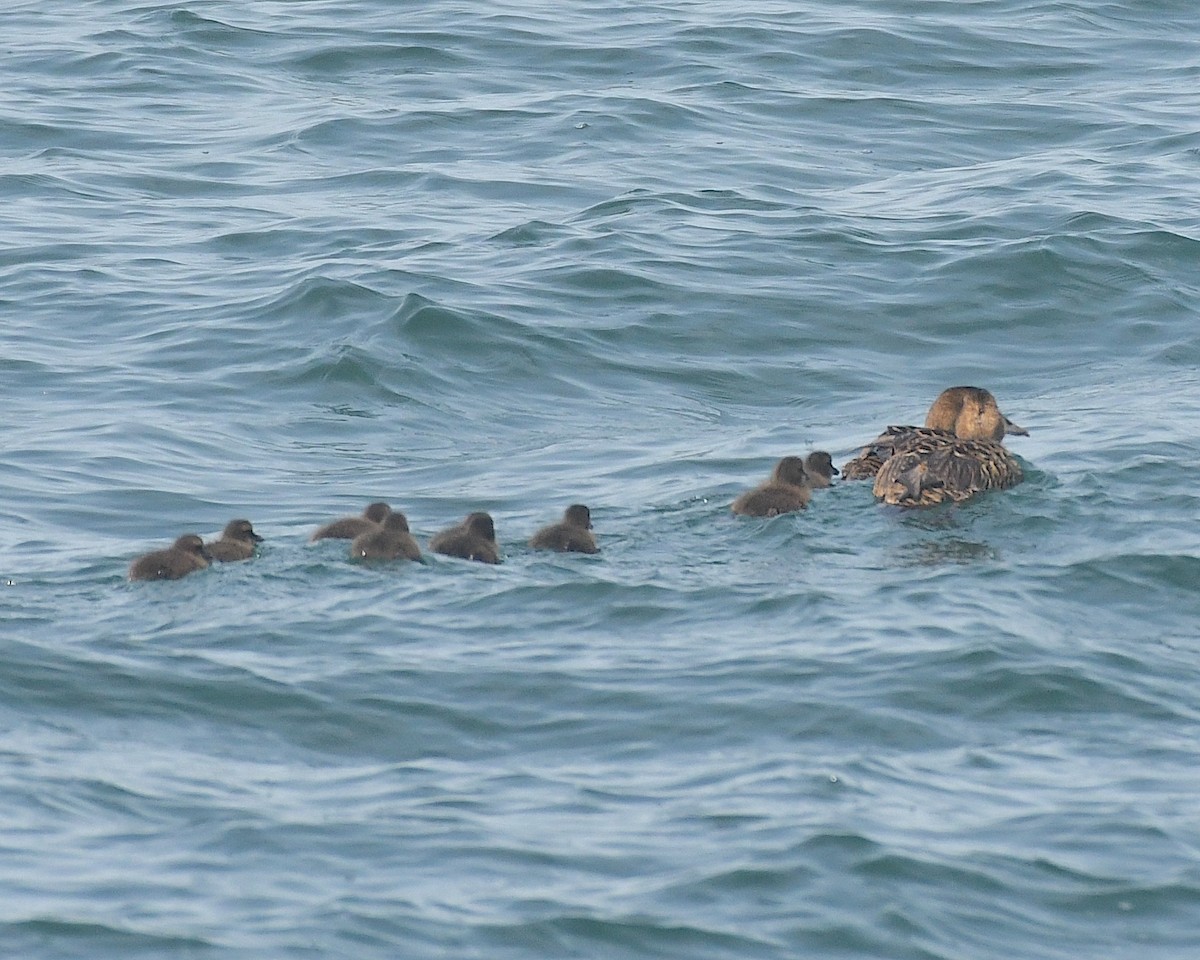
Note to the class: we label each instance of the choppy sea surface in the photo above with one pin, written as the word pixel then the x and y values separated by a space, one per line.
pixel 277 260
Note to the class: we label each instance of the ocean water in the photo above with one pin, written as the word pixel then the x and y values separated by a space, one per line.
pixel 281 259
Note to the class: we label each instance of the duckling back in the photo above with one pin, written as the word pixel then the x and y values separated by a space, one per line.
pixel 186 555
pixel 390 541
pixel 572 534
pixel 347 528
pixel 237 542
pixel 786 491
pixel 473 539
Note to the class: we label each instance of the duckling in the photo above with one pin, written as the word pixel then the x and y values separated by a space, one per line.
pixel 819 468
pixel 473 539
pixel 786 491
pixel 184 556
pixel 236 543
pixel 957 454
pixel 347 528
pixel 573 533
pixel 390 541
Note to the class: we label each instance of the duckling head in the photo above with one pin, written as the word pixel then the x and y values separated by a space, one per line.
pixel 578 515
pixel 819 467
pixel 481 525
pixel 396 522
pixel 970 413
pixel 240 530
pixel 377 512
pixel 790 470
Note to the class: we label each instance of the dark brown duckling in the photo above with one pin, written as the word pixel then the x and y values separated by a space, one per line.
pixel 473 539
pixel 237 542
pixel 572 534
pixel 391 541
pixel 819 468
pixel 185 555
pixel 786 491
pixel 347 528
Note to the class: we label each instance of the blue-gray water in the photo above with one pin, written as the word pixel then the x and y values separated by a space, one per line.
pixel 279 259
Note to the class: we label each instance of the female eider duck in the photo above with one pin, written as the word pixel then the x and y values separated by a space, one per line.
pixel 237 542
pixel 572 534
pixel 473 539
pixel 184 556
pixel 786 491
pixel 956 455
pixel 391 541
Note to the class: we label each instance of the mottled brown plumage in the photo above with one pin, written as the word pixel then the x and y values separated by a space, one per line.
pixel 572 534
pixel 473 539
pixel 966 413
pixel 893 440
pixel 186 555
pixel 237 542
pixel 391 541
pixel 957 454
pixel 936 470
pixel 347 528
pixel 786 491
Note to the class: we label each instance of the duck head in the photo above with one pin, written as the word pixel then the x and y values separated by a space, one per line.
pixel 578 515
pixel 240 530
pixel 971 413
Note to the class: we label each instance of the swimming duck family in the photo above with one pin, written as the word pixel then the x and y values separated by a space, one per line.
pixel 955 455
pixel 385 535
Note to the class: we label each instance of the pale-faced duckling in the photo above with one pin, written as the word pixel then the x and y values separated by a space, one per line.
pixel 237 542
pixel 184 556
pixel 473 539
pixel 572 534
pixel 347 528
pixel 819 468
pixel 786 491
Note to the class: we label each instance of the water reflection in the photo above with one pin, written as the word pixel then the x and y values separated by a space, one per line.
pixel 930 553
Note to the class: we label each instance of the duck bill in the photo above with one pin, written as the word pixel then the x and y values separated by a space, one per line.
pixel 256 538
pixel 1012 428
